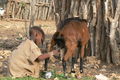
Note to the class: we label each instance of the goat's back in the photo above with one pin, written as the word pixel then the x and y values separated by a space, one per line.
pixel 75 30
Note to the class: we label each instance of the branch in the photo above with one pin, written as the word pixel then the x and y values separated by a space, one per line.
pixel 117 13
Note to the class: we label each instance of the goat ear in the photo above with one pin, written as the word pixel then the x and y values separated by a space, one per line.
pixel 60 37
pixel 56 34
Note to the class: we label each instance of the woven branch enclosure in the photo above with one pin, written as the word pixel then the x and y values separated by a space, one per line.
pixel 21 9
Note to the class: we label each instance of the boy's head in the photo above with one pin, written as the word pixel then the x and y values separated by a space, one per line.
pixel 37 35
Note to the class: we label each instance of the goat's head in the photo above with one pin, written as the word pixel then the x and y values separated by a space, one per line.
pixel 57 42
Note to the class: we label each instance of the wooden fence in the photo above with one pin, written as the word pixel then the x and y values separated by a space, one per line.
pixel 21 9
pixel 3 3
pixel 44 9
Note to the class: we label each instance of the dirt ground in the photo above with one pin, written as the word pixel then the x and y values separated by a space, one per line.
pixel 13 32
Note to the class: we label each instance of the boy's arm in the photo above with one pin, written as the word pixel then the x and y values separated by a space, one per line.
pixel 47 55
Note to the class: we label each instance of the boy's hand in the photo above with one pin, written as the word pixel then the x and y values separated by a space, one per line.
pixel 56 52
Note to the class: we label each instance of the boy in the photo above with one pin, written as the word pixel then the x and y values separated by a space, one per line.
pixel 25 60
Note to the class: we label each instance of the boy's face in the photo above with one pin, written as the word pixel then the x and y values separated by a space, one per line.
pixel 38 40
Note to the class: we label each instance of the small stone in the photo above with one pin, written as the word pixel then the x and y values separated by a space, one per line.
pixel 113 75
pixel 97 66
pixel 98 61
pixel 20 35
pixel 5 66
pixel 104 66
pixel 103 70
pixel 1 57
pixel 101 77
pixel 75 66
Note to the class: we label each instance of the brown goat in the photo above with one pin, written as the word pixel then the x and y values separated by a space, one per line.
pixel 71 34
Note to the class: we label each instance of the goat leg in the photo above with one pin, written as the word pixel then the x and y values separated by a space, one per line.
pixel 72 65
pixel 64 66
pixel 81 58
pixel 46 64
pixel 81 65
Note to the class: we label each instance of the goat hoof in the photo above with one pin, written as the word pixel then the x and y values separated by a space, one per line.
pixel 72 72
pixel 81 71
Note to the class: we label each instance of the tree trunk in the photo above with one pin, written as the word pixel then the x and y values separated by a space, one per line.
pixel 98 29
pixel 113 43
pixel 92 27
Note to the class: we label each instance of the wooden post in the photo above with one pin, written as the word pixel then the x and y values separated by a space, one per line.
pixel 113 43
pixel 92 27
pixel 32 11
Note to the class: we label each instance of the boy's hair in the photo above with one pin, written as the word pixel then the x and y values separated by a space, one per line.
pixel 38 30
